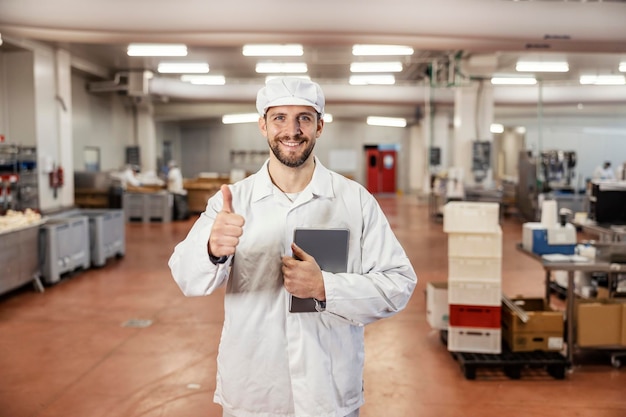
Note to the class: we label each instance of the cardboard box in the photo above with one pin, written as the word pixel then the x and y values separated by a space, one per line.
pixel 437 311
pixel 600 322
pixel 543 330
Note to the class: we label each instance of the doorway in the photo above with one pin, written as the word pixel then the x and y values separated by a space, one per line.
pixel 381 162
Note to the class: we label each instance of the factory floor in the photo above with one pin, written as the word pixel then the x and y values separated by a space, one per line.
pixel 122 341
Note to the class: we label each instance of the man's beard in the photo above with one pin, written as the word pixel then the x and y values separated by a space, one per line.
pixel 292 160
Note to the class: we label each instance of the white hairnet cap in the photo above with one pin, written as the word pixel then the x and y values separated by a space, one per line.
pixel 290 91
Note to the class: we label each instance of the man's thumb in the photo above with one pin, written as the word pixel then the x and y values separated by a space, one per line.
pixel 228 199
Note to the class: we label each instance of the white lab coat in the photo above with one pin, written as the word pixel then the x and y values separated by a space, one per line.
pixel 273 363
pixel 129 178
pixel 602 173
pixel 175 181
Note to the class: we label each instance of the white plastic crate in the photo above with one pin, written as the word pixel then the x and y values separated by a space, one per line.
pixel 479 269
pixel 474 339
pixel 471 292
pixel 437 309
pixel 471 217
pixel 475 245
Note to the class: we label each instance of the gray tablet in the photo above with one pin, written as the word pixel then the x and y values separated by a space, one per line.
pixel 329 247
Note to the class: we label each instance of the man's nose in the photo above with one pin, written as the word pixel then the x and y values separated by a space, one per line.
pixel 294 126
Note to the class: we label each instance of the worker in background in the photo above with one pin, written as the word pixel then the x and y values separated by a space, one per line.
pixel 604 172
pixel 129 177
pixel 273 363
pixel 175 179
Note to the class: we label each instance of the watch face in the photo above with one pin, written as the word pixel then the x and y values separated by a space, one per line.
pixel 320 305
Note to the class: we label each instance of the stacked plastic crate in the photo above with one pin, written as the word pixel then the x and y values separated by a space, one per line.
pixel 474 276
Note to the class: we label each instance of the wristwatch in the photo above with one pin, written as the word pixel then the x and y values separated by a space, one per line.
pixel 320 305
pixel 215 260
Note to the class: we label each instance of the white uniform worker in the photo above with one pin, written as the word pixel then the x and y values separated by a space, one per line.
pixel 273 363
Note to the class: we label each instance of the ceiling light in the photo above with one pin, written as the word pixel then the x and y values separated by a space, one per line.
pixel 271 77
pixel 496 128
pixel 240 118
pixel 512 80
pixel 622 66
pixel 183 67
pixel 603 79
pixel 327 117
pixel 386 121
pixel 542 66
pixel 273 50
pixel 155 49
pixel 372 80
pixel 281 67
pixel 204 79
pixel 381 50
pixel 376 67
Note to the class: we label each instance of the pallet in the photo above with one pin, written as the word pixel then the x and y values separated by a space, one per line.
pixel 511 363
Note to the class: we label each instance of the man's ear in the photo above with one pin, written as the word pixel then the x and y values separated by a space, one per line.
pixel 263 125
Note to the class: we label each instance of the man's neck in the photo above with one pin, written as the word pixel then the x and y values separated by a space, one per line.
pixel 291 180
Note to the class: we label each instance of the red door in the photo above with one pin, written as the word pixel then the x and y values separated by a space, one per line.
pixel 388 171
pixel 381 170
pixel 372 158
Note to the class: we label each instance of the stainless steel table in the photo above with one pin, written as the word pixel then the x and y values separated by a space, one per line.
pixel 571 267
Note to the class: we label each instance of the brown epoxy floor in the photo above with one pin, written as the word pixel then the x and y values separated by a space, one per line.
pixel 66 353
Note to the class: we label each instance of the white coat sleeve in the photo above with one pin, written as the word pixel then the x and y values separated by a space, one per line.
pixel 386 279
pixel 190 265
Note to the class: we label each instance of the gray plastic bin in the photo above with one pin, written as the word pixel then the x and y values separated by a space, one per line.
pixel 64 246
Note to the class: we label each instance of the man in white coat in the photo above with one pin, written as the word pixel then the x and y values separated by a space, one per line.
pixel 272 362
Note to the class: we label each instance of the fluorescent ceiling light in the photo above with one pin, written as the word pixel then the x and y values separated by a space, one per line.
pixel 360 50
pixel 204 79
pixel 240 118
pixel 512 80
pixel 327 117
pixel 372 80
pixel 281 67
pixel 603 79
pixel 273 50
pixel 271 77
pixel 496 128
pixel 542 66
pixel 622 66
pixel 386 121
pixel 376 67
pixel 156 49
pixel 183 67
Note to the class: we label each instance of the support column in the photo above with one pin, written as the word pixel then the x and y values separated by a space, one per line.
pixel 146 137
pixel 473 115
pixel 64 117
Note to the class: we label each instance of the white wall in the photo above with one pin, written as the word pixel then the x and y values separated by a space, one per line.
pixel 101 120
pixel 19 101
pixel 594 139
pixel 207 148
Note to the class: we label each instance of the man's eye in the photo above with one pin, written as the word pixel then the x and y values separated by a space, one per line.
pixel 304 118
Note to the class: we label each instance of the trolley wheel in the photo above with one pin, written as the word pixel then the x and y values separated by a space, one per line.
pixel 616 362
pixel 469 372
pixel 556 371
pixel 513 372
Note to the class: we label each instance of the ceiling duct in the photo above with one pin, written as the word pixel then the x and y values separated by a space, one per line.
pixel 133 83
pixel 117 84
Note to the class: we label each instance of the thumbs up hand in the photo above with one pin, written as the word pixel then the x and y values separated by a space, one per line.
pixel 302 275
pixel 227 228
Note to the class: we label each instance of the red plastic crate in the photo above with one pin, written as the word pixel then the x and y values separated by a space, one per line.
pixel 475 316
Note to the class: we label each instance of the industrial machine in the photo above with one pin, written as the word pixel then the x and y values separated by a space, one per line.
pixel 557 170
